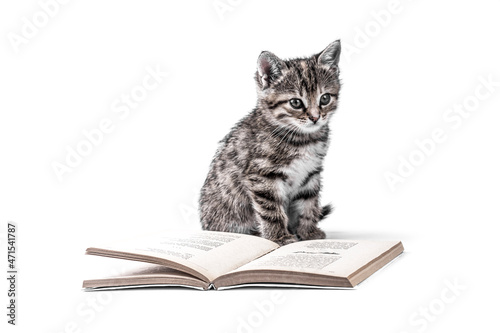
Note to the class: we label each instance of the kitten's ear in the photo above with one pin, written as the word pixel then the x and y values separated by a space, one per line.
pixel 331 55
pixel 269 68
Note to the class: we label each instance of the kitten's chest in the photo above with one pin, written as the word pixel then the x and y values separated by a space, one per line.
pixel 300 168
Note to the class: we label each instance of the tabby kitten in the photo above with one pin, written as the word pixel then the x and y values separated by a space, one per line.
pixel 265 178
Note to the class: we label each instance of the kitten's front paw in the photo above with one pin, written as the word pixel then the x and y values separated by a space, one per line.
pixel 287 239
pixel 310 232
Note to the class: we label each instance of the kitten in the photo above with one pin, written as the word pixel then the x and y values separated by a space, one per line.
pixel 265 178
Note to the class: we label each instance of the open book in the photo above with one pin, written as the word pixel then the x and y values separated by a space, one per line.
pixel 220 260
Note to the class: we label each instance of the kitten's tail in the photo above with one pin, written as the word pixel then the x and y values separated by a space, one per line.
pixel 325 211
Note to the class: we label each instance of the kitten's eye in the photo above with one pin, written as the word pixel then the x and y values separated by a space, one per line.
pixel 296 103
pixel 325 99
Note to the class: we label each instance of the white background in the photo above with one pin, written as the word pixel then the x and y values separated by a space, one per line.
pixel 398 83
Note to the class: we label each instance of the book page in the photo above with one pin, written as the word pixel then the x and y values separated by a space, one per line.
pixel 206 254
pixel 130 274
pixel 338 258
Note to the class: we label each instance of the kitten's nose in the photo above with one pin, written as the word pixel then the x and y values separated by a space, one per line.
pixel 313 119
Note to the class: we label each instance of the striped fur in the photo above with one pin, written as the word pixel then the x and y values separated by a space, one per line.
pixel 265 178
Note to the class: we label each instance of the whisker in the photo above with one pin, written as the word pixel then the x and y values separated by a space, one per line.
pixel 294 133
pixel 279 129
pixel 285 136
